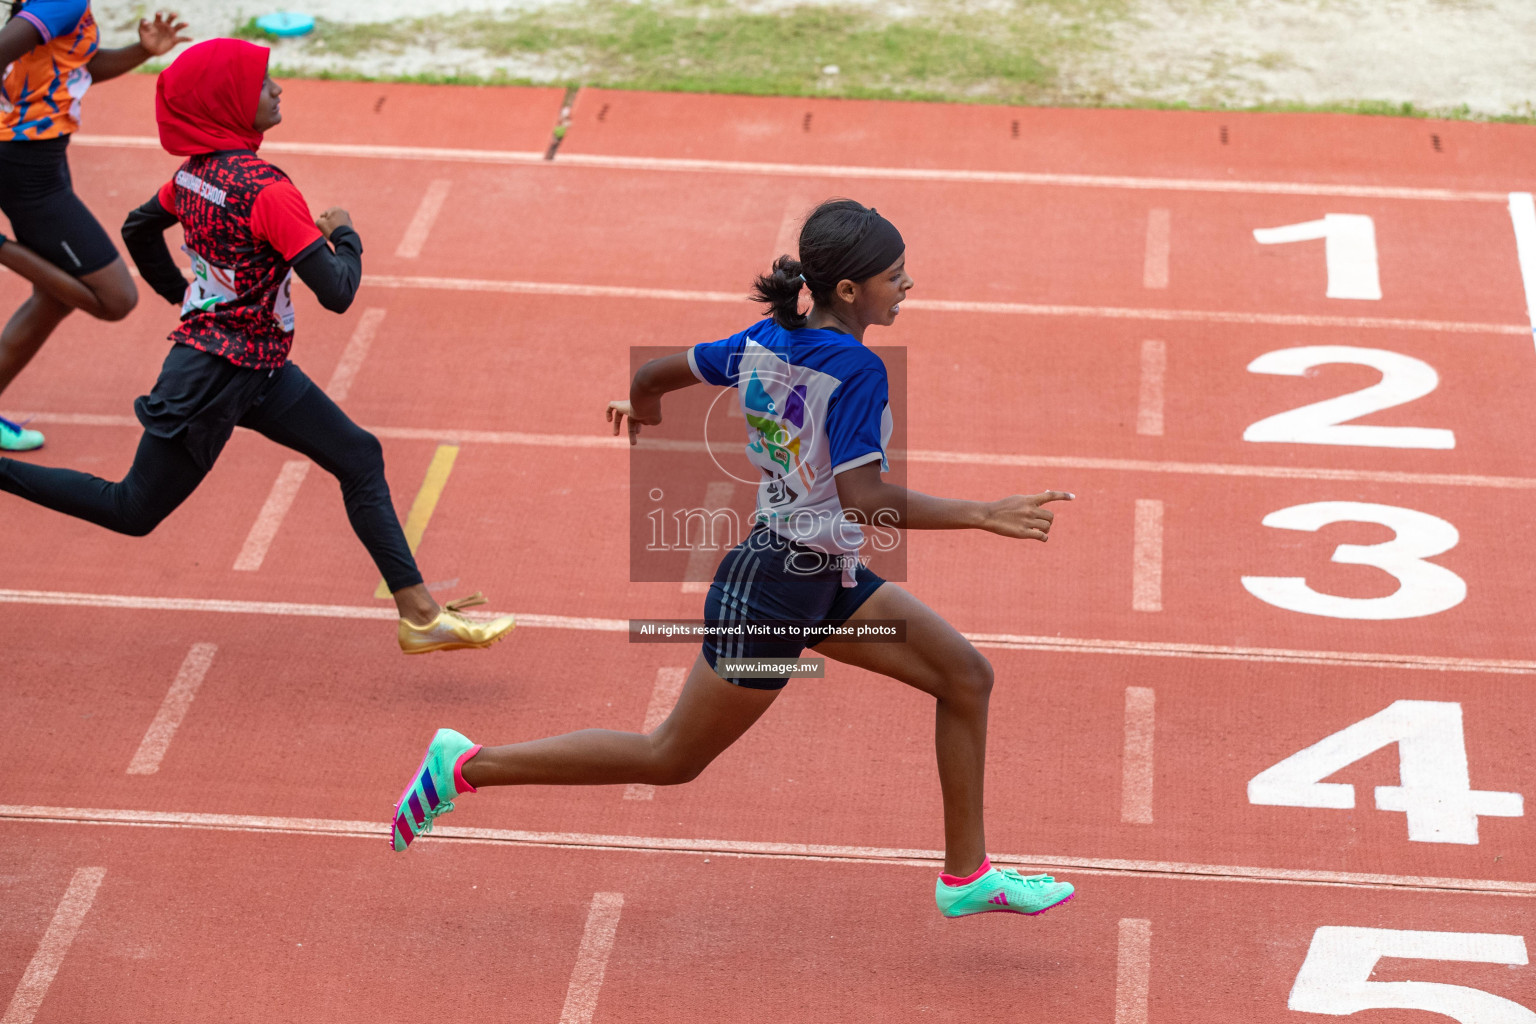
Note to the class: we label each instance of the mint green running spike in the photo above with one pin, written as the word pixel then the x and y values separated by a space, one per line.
pixel 433 787
pixel 16 438
pixel 1002 890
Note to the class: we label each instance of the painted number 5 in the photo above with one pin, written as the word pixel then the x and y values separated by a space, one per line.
pixel 1335 978
pixel 1424 587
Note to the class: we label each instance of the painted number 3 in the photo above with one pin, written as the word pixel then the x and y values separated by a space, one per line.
pixel 1424 588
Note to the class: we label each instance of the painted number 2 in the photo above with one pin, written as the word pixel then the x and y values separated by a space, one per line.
pixel 1335 977
pixel 1424 587
pixel 1434 783
pixel 1403 379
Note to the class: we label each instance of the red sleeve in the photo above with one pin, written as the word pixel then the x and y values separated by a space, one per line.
pixel 280 216
pixel 167 197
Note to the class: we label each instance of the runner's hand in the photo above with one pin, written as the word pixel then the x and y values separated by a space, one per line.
pixel 1021 516
pixel 157 36
pixel 332 219
pixel 617 411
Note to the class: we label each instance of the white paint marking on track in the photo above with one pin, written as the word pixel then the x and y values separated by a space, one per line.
pixel 1522 214
pixel 373 831
pixel 157 739
pixel 673 164
pixel 55 943
pixel 264 530
pixel 1133 971
pixel 1136 762
pixel 669 686
pixel 1154 272
pixel 1149 398
pixel 420 227
pixel 999 641
pixel 352 356
pixel 1147 556
pixel 592 958
pixel 469 284
pixel 513 437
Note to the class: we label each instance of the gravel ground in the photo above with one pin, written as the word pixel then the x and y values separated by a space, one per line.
pixel 1467 56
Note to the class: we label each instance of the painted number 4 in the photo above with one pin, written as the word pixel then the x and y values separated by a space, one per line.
pixel 1335 977
pixel 1435 787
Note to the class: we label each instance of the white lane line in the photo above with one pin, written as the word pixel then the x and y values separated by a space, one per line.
pixel 352 356
pixel 455 435
pixel 592 958
pixel 343 149
pixel 1154 272
pixel 494 286
pixel 704 557
pixel 1133 971
pixel 373 831
pixel 669 686
pixel 1000 641
pixel 157 738
pixel 264 530
pixel 641 163
pixel 1522 213
pixel 1136 761
pixel 420 227
pixel 1149 397
pixel 54 945
pixel 1147 557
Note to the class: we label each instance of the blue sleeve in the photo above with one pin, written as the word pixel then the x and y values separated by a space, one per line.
pixel 53 18
pixel 858 420
pixel 717 362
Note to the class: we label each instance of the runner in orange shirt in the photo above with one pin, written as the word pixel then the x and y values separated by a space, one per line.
pixel 50 54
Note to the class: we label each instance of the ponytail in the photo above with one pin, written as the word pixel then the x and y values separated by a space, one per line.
pixel 779 290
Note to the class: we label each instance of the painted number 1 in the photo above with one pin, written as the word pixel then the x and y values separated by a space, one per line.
pixel 1349 247
pixel 1335 977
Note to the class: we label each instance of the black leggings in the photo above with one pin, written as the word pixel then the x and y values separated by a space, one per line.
pixel 164 474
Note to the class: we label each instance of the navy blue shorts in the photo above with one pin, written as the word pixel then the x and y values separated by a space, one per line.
pixel 766 578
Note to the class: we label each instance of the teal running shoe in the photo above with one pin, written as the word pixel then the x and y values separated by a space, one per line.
pixel 1002 890
pixel 432 789
pixel 16 438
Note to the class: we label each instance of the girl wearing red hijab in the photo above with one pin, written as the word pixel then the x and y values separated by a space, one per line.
pixel 50 58
pixel 247 231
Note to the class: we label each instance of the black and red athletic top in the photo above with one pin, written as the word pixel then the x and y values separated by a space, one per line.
pixel 245 225
pixel 246 230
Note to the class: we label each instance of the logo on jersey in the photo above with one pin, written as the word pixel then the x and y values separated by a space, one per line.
pixel 776 434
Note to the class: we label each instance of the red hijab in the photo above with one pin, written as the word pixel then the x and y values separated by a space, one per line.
pixel 206 100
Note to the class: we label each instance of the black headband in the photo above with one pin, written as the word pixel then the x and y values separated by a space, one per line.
pixel 879 247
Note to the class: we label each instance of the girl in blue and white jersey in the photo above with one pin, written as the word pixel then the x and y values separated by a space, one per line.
pixel 818 417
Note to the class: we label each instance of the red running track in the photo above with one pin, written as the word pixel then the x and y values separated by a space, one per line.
pixel 1090 297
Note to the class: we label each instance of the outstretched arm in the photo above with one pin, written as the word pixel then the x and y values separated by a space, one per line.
pixel 156 38
pixel 866 497
pixel 144 238
pixel 654 379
